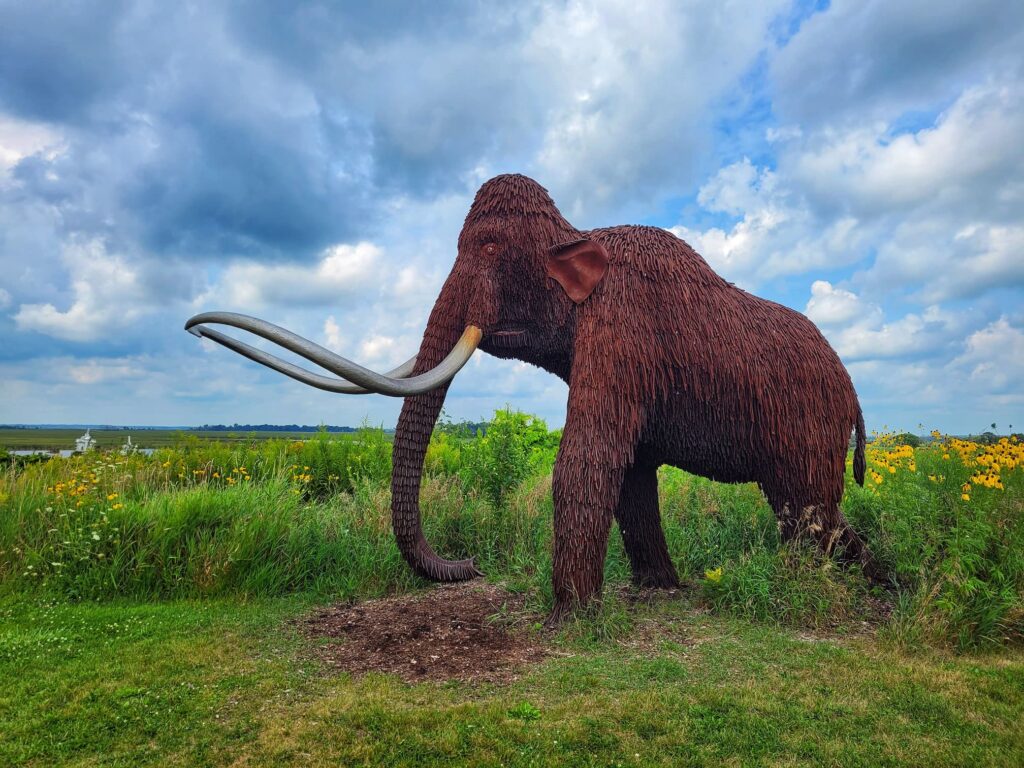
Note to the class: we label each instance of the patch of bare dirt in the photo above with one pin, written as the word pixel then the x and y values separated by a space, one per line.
pixel 468 631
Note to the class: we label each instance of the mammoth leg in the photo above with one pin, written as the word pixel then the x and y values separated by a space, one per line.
pixel 640 524
pixel 584 498
pixel 823 524
pixel 597 447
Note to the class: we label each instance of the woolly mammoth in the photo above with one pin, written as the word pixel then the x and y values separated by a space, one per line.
pixel 666 362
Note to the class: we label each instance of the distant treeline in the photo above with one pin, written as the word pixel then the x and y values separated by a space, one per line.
pixel 272 428
pixel 468 428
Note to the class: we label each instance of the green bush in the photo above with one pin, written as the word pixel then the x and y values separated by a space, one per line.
pixel 514 447
pixel 908 438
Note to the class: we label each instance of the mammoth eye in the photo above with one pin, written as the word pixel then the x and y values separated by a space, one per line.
pixel 490 249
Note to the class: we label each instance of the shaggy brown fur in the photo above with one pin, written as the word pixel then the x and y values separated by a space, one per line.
pixel 667 363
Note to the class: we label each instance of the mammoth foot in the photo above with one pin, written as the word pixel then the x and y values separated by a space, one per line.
pixel 834 537
pixel 567 610
pixel 558 616
pixel 664 578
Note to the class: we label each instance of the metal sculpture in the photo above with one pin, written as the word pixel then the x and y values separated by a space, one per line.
pixel 666 362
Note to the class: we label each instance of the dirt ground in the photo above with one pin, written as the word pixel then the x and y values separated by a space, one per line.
pixel 466 631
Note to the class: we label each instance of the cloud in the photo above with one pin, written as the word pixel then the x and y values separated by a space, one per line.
pixel 968 162
pixel 913 335
pixel 859 61
pixel 993 358
pixel 20 139
pixel 858 329
pixel 949 259
pixel 332 334
pixel 88 43
pixel 343 271
pixel 109 293
pixel 103 370
pixel 831 306
pixel 191 143
pixel 631 93
pixel 937 208
pixel 777 235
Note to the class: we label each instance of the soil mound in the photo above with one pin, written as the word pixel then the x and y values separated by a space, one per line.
pixel 466 631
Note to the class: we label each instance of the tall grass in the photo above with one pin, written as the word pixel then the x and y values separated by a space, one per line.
pixel 265 518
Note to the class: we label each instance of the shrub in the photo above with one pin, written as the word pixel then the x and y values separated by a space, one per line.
pixel 514 446
pixel 908 438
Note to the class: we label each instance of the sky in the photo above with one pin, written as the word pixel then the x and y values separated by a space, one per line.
pixel 312 163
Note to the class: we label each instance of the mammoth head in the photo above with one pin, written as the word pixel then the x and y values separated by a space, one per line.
pixel 520 274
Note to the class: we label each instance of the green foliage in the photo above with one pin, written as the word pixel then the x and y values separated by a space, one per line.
pixel 908 438
pixel 278 516
pixel 726 538
pixel 957 563
pixel 525 711
pixel 514 447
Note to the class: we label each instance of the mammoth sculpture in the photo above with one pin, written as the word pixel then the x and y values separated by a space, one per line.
pixel 666 362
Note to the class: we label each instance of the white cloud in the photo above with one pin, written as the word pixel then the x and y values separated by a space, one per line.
pixel 628 94
pixel 378 347
pixel 20 138
pixel 938 208
pixel 993 358
pixel 342 271
pixel 830 306
pixel 100 370
pixel 332 334
pixel 108 292
pixel 973 149
pixel 940 259
pixel 777 235
pixel 876 58
pixel 858 329
pixel 737 188
pixel 5 298
pixel 911 335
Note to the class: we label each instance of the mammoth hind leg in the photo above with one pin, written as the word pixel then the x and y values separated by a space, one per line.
pixel 825 525
pixel 640 524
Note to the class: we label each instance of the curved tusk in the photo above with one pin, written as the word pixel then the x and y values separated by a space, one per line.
pixel 362 377
pixel 327 383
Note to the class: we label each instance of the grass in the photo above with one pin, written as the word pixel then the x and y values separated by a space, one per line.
pixel 145 606
pixel 277 517
pixel 214 682
pixel 57 439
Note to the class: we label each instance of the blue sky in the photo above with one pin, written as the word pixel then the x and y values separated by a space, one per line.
pixel 312 163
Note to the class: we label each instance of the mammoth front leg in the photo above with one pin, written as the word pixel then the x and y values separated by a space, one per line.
pixel 584 498
pixel 587 484
pixel 640 524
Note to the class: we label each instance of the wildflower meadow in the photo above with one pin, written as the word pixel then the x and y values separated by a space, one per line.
pixel 147 599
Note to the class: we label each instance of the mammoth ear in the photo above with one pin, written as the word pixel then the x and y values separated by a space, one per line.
pixel 578 266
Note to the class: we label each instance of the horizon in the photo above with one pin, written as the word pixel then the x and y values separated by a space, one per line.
pixel 314 167
pixel 1007 431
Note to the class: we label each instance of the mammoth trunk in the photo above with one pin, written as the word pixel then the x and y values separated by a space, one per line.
pixel 415 425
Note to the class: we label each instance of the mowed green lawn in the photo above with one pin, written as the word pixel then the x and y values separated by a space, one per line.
pixel 231 682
